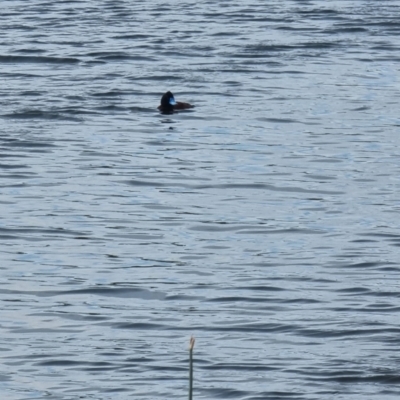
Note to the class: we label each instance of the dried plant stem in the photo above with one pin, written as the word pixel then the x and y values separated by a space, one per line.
pixel 191 345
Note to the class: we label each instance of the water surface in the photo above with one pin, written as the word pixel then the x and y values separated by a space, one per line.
pixel 264 221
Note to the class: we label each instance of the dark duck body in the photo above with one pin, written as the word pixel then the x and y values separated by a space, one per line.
pixel 169 105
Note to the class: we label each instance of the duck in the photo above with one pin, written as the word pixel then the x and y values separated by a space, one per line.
pixel 169 105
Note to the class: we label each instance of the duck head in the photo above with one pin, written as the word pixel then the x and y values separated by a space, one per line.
pixel 167 103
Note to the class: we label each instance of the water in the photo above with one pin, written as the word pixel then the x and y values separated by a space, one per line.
pixel 264 221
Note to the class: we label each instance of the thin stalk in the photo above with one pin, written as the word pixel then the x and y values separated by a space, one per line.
pixel 191 345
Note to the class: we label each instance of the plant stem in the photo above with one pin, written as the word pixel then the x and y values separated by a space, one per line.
pixel 191 345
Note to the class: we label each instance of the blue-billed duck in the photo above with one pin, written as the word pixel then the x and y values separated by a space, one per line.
pixel 169 105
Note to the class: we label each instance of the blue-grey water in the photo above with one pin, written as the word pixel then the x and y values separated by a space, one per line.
pixel 265 221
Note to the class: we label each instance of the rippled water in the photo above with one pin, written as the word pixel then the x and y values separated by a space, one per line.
pixel 264 221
